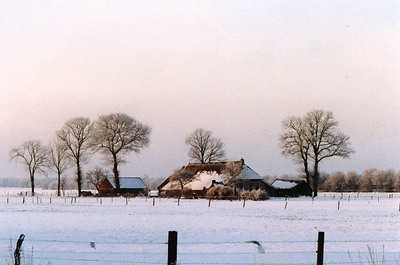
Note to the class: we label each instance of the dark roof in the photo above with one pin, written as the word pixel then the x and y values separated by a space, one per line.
pixel 128 182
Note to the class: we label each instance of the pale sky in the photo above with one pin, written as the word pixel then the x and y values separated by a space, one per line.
pixel 237 68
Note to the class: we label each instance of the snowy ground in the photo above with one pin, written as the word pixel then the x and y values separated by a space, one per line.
pixel 136 233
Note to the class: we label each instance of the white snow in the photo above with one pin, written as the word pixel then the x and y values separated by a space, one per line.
pixel 204 180
pixel 200 180
pixel 280 184
pixel 61 233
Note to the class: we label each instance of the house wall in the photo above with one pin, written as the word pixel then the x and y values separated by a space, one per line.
pixel 104 187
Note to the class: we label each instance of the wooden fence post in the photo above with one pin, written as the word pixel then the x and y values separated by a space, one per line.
pixel 320 251
pixel 17 252
pixel 172 247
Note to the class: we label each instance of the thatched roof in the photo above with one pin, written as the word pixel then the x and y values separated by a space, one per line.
pixel 235 168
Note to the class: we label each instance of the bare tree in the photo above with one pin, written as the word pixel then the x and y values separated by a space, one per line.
pixel 76 135
pixel 94 176
pixel 34 156
pixel 312 139
pixel 294 143
pixel 231 173
pixel 58 161
pixel 204 147
pixel 183 177
pixel 116 135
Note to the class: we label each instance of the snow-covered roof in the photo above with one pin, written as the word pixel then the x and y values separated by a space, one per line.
pixel 200 181
pixel 128 182
pixel 248 173
pixel 284 184
pixel 203 174
pixel 204 180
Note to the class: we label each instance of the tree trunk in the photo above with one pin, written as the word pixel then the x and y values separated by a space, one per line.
pixel 116 172
pixel 32 176
pixel 307 173
pixel 79 177
pixel 315 180
pixel 58 183
pixel 182 187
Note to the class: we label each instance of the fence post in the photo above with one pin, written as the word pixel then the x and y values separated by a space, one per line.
pixel 17 252
pixel 320 251
pixel 172 247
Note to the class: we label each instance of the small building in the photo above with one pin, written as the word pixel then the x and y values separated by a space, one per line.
pixel 128 186
pixel 289 188
pixel 249 179
pixel 204 176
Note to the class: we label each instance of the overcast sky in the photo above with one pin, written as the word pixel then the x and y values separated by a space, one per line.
pixel 237 68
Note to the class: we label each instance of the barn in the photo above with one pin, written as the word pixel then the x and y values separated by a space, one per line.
pixel 128 186
pixel 204 176
pixel 289 188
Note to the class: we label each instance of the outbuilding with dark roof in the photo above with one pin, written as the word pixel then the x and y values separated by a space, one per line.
pixel 128 185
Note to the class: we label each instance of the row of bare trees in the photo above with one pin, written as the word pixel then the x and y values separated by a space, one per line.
pixel 308 140
pixel 368 181
pixel 114 136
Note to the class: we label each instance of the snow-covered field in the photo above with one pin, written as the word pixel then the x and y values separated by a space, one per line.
pixel 136 233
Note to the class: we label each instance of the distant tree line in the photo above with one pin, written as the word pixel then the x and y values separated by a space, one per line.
pixel 371 180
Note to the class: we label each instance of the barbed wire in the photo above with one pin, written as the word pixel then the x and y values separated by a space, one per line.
pixel 152 243
pixel 203 242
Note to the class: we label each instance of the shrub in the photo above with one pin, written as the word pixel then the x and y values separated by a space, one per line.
pixel 220 192
pixel 254 195
pixel 212 193
pixel 259 195
pixel 225 192
pixel 188 194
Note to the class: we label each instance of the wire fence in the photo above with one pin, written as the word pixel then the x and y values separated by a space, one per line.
pixel 59 251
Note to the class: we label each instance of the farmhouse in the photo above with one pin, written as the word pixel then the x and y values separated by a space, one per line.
pixel 201 177
pixel 289 188
pixel 128 185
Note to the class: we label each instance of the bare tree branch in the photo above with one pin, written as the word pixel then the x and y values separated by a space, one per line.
pixel 312 139
pixel 58 161
pixel 34 156
pixel 75 136
pixel 204 148
pixel 116 135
